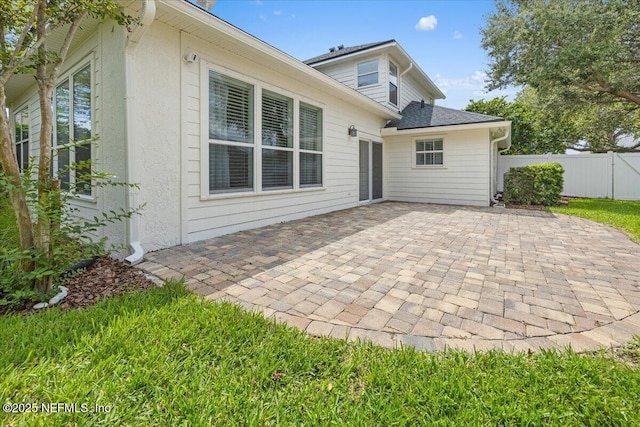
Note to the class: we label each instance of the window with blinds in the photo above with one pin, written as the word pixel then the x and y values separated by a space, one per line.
pixel 290 152
pixel 231 124
pixel 277 133
pixel 310 145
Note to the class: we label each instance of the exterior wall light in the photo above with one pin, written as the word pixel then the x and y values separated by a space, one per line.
pixel 353 131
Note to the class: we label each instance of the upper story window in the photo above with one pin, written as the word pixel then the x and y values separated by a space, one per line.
pixel 22 138
pixel 73 132
pixel 368 73
pixel 393 84
pixel 429 152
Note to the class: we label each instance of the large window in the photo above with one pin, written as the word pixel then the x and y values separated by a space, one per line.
pixel 288 131
pixel 22 138
pixel 393 84
pixel 310 145
pixel 73 132
pixel 231 141
pixel 429 152
pixel 368 73
pixel 277 134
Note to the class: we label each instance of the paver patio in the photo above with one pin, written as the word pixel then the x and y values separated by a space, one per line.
pixel 428 276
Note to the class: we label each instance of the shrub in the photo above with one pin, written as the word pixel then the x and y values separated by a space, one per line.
pixel 534 184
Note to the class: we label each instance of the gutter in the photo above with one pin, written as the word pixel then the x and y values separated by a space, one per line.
pixel 147 15
pixel 493 159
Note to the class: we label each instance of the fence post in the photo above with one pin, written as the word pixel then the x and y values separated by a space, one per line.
pixel 611 167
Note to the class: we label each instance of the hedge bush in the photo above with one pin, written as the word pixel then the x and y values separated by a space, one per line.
pixel 534 184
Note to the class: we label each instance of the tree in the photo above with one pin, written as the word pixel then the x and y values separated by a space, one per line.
pixel 529 133
pixel 580 56
pixel 25 29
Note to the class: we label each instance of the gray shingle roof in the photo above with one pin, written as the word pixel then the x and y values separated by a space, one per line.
pixel 414 116
pixel 344 51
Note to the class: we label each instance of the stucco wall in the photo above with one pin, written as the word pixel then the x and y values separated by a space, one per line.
pixel 156 138
pixel 464 178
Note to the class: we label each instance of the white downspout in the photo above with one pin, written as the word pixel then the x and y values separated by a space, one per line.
pixel 147 15
pixel 494 165
pixel 406 71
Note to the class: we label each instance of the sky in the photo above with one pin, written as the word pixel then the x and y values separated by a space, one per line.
pixel 443 37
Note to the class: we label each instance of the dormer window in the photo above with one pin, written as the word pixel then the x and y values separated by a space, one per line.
pixel 368 73
pixel 393 84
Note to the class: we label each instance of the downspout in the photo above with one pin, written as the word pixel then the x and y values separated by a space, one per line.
pixel 406 71
pixel 147 15
pixel 494 165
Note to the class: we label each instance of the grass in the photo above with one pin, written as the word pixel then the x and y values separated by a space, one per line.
pixel 619 213
pixel 167 357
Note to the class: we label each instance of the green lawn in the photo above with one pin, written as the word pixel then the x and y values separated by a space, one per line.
pixel 619 213
pixel 166 357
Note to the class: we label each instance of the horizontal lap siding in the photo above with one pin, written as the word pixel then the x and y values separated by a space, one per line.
pixel 464 180
pixel 409 91
pixel 214 217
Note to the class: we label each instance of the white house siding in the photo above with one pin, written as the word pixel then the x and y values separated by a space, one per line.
pixel 156 141
pixel 99 49
pixel 346 73
pixel 464 179
pixel 208 217
pixel 411 91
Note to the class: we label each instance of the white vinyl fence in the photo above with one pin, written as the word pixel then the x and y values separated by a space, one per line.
pixel 612 175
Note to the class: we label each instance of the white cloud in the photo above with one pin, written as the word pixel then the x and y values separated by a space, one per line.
pixel 277 12
pixel 457 35
pixel 475 81
pixel 263 17
pixel 427 23
pixel 257 2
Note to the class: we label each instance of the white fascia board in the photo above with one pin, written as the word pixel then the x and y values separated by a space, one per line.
pixel 442 129
pixel 194 13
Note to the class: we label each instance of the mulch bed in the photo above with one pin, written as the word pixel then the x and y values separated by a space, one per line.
pixel 107 277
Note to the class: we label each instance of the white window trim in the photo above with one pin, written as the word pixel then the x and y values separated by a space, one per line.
pixel 390 63
pixel 23 107
pixel 414 152
pixel 87 60
pixel 258 85
pixel 365 74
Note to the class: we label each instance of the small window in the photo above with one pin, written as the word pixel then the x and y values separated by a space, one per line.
pixel 393 84
pixel 368 73
pixel 310 145
pixel 22 138
pixel 429 152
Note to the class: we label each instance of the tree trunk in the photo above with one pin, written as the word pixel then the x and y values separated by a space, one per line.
pixel 46 213
pixel 16 193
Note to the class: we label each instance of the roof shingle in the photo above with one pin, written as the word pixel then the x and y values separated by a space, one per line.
pixel 415 115
pixel 345 51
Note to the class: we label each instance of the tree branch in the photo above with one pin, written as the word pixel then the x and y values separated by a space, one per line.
pixel 25 32
pixel 67 41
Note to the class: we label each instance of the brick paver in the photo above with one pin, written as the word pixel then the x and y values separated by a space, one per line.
pixel 427 276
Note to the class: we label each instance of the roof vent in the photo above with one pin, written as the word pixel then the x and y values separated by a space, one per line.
pixel 332 49
pixel 340 47
pixel 422 104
